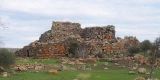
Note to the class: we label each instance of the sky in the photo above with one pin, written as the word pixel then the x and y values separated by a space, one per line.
pixel 25 20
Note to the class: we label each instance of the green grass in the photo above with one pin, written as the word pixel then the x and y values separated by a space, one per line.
pixel 41 76
pixel 113 73
pixel 70 75
pixel 110 74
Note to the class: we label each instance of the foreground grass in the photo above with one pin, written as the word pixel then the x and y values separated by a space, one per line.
pixel 113 73
pixel 70 75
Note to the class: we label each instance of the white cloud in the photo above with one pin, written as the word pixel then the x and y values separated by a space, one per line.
pixel 131 17
pixel 54 7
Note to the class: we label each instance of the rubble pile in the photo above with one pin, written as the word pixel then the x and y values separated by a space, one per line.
pixel 121 45
pixel 92 40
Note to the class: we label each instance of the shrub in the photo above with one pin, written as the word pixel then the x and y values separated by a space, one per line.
pixel 133 50
pixel 145 45
pixel 6 58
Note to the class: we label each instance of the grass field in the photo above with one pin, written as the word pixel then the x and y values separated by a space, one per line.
pixel 113 73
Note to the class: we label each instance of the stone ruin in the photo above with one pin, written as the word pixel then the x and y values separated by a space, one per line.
pixel 93 40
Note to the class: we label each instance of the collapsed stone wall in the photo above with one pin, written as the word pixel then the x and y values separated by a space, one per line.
pixel 121 45
pixel 55 42
pixel 60 31
pixel 99 35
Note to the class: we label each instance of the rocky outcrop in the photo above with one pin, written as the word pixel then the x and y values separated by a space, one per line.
pixel 91 40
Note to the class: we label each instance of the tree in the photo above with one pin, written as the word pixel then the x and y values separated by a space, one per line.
pixel 153 56
pixel 6 58
pixel 145 46
pixel 157 43
pixel 133 50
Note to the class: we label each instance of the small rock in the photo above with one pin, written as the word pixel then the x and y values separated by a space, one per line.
pixel 140 78
pixel 71 63
pixel 152 79
pixel 147 73
pixel 105 68
pixel 106 63
pixel 4 74
pixel 38 68
pixel 134 68
pixel 75 79
pixel 142 70
pixel 117 64
pixel 132 72
pixel 94 65
pixel 53 71
pixel 20 68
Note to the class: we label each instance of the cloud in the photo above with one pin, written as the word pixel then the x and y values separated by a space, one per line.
pixel 54 7
pixel 28 19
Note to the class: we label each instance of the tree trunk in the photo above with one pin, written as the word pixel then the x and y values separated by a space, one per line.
pixel 153 61
pixel 151 71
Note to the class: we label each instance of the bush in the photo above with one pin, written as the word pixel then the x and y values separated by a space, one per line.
pixel 133 50
pixel 6 58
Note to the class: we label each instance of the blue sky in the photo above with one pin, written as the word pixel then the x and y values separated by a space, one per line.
pixel 28 19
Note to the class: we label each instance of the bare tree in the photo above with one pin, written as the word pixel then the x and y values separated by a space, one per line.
pixel 153 56
pixel 145 46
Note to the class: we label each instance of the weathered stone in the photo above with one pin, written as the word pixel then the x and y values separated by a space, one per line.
pixel 132 72
pixel 105 68
pixel 39 67
pixel 20 68
pixel 5 74
pixel 75 79
pixel 106 63
pixel 140 78
pixel 142 70
pixel 92 40
pixel 53 71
